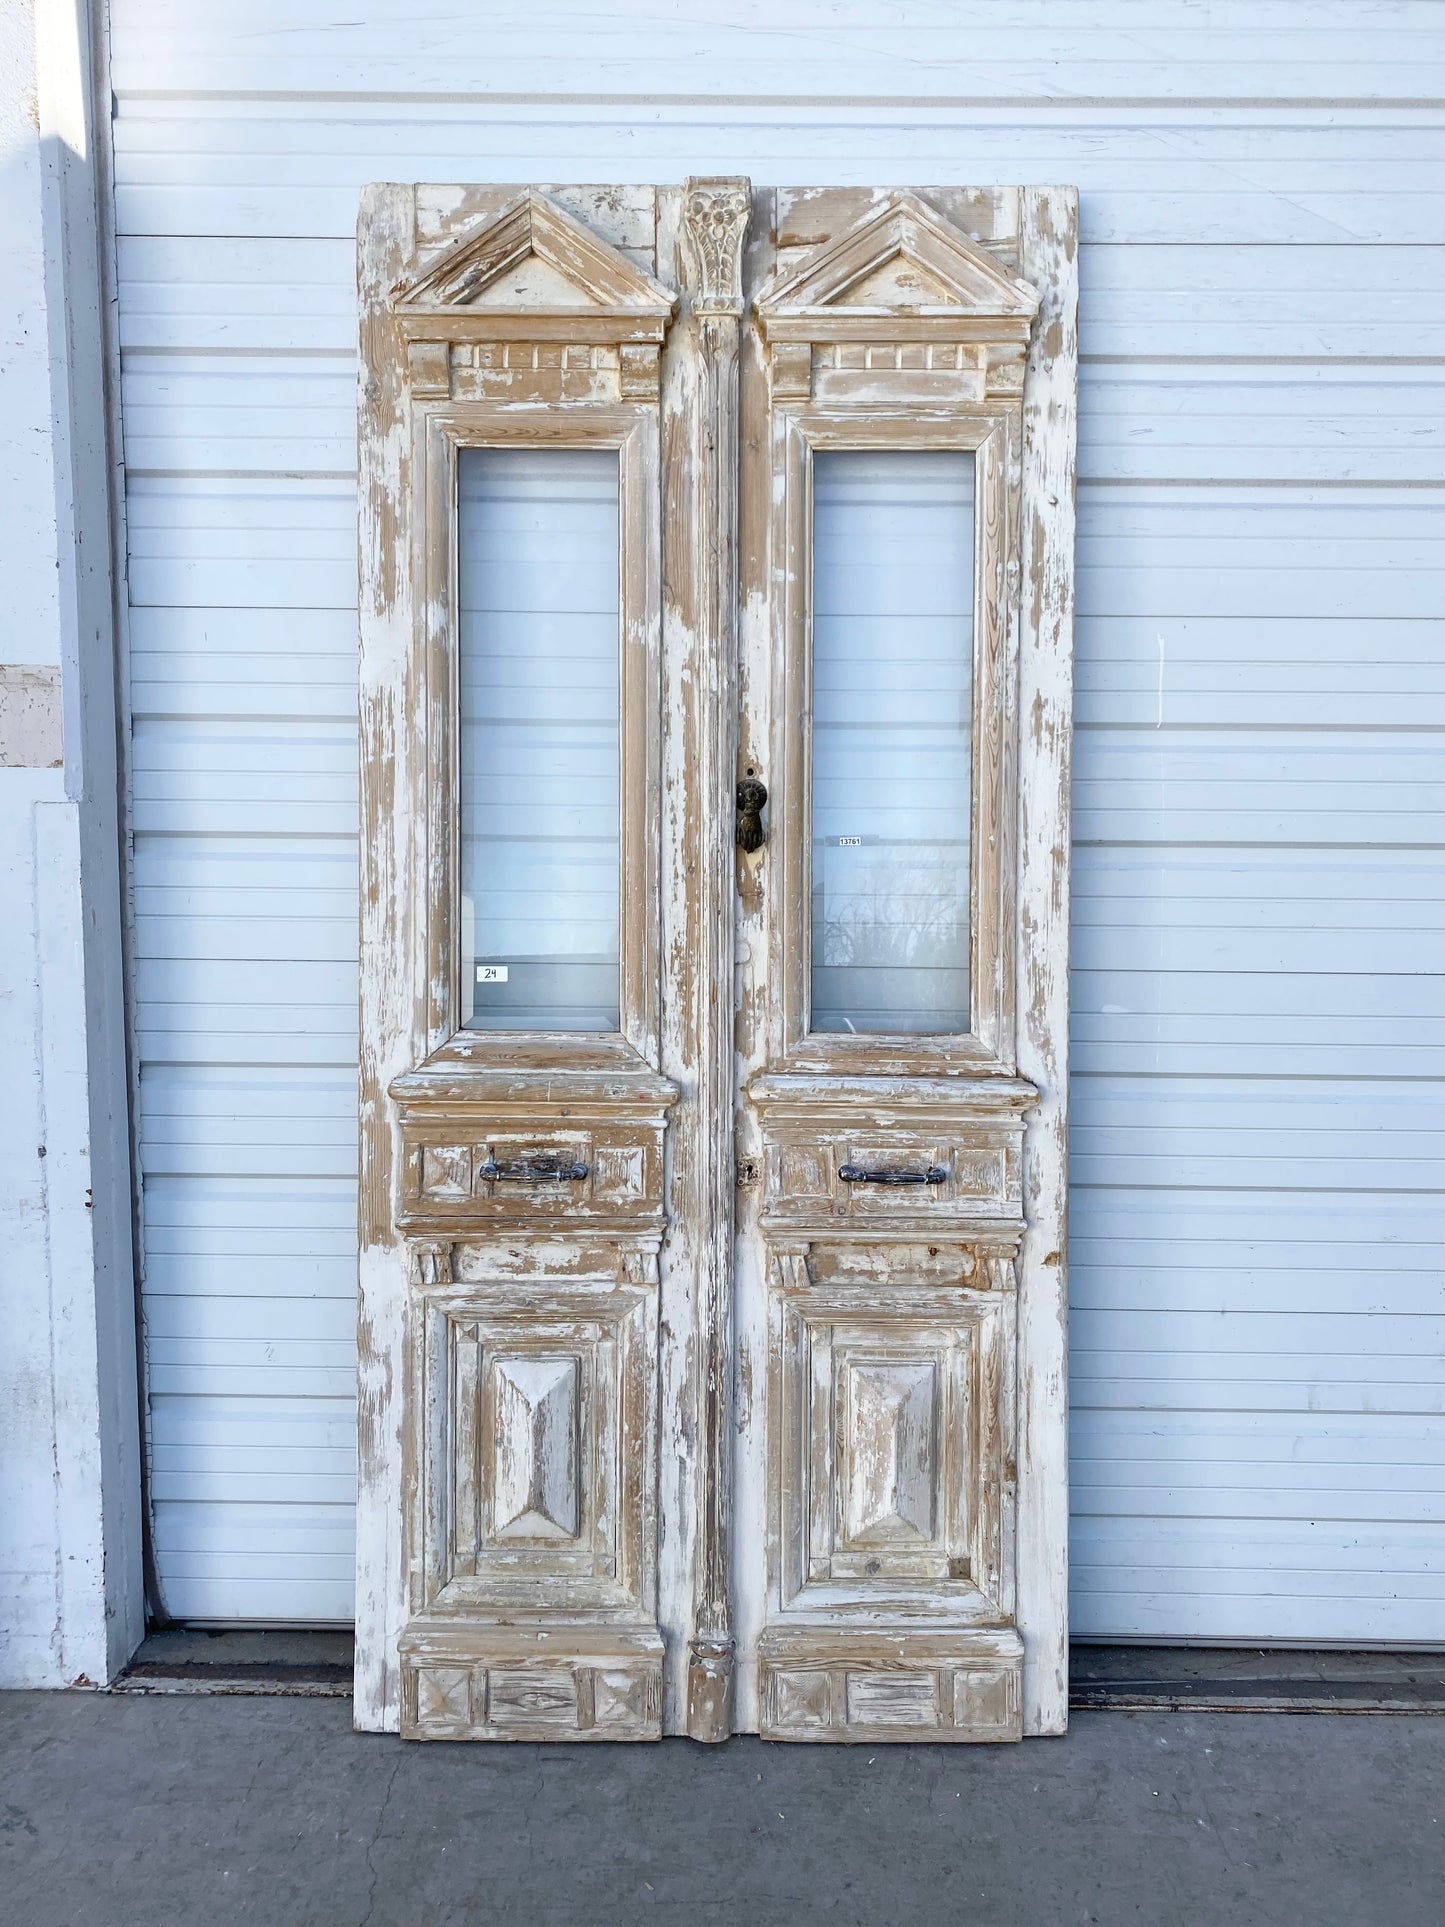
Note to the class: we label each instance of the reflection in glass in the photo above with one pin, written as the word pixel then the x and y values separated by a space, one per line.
pixel 892 728
pixel 537 592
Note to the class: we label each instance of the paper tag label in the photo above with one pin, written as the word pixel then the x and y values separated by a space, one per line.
pixel 849 842
pixel 491 973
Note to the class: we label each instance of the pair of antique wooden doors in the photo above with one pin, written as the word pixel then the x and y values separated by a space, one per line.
pixel 716 555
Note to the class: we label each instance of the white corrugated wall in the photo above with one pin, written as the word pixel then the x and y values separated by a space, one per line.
pixel 1259 1004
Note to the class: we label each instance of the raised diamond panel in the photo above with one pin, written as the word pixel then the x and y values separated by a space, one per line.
pixel 446 1171
pixel 801 1699
pixel 988 1701
pixel 443 1696
pixel 889 1415
pixel 890 1433
pixel 620 1174
pixel 535 1471
pixel 618 1698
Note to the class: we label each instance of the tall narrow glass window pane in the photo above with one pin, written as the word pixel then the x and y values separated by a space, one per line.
pixel 892 726
pixel 537 588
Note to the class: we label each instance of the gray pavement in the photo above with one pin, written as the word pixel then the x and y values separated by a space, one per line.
pixel 166 1811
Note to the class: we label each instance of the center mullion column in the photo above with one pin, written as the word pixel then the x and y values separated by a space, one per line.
pixel 700 580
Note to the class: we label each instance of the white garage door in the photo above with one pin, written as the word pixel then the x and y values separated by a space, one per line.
pixel 1258 1012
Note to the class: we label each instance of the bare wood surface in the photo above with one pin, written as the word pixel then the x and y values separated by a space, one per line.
pixel 387 768
pixel 512 1188
pixel 702 585
pixel 1049 219
pixel 567 1529
pixel 892 1388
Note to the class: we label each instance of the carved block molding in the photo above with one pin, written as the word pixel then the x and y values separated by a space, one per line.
pixel 532 273
pixel 524 1690
pixel 901 294
pixel 909 1687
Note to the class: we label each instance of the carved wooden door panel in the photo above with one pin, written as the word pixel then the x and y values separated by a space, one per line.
pixel 713 544
pixel 907 497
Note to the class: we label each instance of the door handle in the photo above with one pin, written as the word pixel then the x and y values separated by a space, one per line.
pixel 752 795
pixel 545 1168
pixel 860 1174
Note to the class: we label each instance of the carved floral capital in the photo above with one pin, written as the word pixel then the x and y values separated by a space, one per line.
pixel 715 220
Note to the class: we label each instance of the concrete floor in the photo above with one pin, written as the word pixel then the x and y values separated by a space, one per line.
pixel 165 1811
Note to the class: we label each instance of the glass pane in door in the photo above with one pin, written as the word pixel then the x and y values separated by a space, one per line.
pixel 893 540
pixel 537 593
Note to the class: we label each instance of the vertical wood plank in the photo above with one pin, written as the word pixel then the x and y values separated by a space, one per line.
pixel 677 1335
pixel 751 1302
pixel 1049 223
pixel 387 780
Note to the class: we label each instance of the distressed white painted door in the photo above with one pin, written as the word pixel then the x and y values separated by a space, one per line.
pixel 901 1474
pixel 712 1192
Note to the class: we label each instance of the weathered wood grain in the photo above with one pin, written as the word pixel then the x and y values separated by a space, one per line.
pixel 1048 254
pixel 880 1397
pixel 510 1444
pixel 568 1371
pixel 389 776
pixel 702 588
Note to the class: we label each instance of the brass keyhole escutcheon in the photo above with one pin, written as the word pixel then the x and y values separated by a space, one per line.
pixel 752 795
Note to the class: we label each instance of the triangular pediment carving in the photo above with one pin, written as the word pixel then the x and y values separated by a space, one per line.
pixel 903 261
pixel 528 262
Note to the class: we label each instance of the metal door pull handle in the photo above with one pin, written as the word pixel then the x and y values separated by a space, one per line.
pixel 538 1170
pixel 752 800
pixel 860 1174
